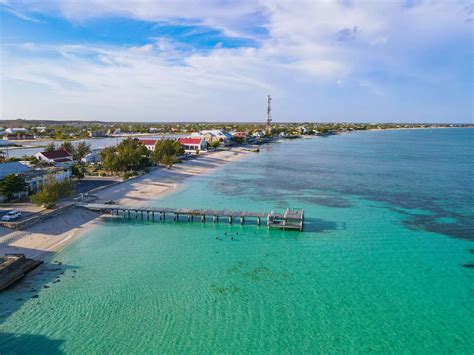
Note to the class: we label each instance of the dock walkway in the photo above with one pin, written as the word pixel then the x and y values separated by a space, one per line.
pixel 291 219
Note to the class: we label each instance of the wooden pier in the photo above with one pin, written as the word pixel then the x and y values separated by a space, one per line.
pixel 291 219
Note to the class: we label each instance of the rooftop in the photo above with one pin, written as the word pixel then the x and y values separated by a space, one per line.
pixel 189 140
pixel 148 141
pixel 12 168
pixel 57 154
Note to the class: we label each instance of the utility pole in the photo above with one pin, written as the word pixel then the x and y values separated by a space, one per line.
pixel 269 116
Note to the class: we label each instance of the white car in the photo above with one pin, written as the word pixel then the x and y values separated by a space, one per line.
pixel 11 216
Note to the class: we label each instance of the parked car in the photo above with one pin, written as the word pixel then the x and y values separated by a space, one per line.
pixel 11 216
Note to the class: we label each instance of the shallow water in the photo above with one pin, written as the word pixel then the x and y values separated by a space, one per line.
pixel 382 266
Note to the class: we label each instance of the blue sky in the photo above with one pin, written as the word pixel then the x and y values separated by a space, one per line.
pixel 216 60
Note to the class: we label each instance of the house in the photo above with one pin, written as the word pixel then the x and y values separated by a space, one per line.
pixel 241 135
pixel 193 145
pixel 35 178
pixel 18 136
pixel 16 130
pixel 149 143
pixel 59 156
pixel 95 134
pixel 213 135
pixel 13 168
pixel 259 134
pixel 92 157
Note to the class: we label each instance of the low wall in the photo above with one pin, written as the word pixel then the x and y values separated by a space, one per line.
pixel 36 218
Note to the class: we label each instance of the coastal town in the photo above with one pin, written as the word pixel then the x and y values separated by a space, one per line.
pixel 62 172
pixel 63 175
pixel 236 177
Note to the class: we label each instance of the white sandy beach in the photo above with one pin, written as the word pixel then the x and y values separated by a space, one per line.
pixel 45 238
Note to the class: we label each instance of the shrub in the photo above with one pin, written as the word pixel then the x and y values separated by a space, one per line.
pixel 52 191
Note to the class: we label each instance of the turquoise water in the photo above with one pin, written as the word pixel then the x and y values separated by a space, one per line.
pixel 385 263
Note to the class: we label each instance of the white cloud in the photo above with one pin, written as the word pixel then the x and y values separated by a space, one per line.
pixel 301 51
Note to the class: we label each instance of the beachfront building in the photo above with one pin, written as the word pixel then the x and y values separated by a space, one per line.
pixel 213 135
pixel 34 178
pixel 57 157
pixel 259 134
pixel 13 168
pixel 149 143
pixel 193 145
pixel 240 135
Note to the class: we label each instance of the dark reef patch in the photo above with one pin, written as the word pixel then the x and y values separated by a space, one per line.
pixel 337 202
pixel 463 229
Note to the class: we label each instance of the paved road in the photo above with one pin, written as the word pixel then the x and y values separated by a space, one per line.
pixel 83 186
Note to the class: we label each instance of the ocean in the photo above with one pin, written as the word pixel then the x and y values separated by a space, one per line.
pixel 385 263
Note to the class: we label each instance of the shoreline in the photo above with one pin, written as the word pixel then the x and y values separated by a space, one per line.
pixel 42 240
pixel 141 135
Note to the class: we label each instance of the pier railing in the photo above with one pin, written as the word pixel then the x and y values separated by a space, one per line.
pixel 290 219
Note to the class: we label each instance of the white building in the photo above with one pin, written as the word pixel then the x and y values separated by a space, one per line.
pixel 57 157
pixel 92 157
pixel 149 143
pixel 34 178
pixel 16 130
pixel 212 135
pixel 193 145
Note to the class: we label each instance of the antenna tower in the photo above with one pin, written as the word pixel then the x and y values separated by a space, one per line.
pixel 269 115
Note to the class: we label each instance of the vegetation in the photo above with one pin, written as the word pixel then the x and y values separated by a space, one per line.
pixel 65 130
pixel 81 150
pixel 215 144
pixel 67 146
pixel 52 191
pixel 11 184
pixel 166 152
pixel 78 171
pixel 50 147
pixel 78 151
pixel 129 155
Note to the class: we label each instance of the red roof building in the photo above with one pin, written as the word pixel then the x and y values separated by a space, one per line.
pixel 193 145
pixel 149 143
pixel 55 156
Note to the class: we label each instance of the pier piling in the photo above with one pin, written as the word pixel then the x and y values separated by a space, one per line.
pixel 291 219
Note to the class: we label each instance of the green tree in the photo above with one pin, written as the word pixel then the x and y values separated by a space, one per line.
pixel 77 171
pixel 52 191
pixel 12 184
pixel 69 147
pixel 166 151
pixel 50 147
pixel 81 150
pixel 215 144
pixel 109 159
pixel 132 155
pixel 129 155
